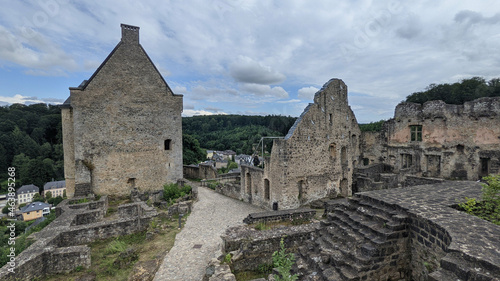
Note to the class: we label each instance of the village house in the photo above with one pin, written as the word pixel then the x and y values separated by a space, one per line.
pixel 56 188
pixel 26 192
pixel 35 210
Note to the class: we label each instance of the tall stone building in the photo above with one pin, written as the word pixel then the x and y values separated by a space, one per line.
pixel 315 160
pixel 438 140
pixel 122 128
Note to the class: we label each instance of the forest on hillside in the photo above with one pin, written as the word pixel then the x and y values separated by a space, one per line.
pixel 239 133
pixel 31 141
pixel 459 92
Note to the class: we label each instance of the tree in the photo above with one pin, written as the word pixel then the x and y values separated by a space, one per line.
pixel 48 195
pixel 38 198
pixel 192 153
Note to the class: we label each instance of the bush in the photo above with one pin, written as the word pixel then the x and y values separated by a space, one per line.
pixel 283 263
pixel 172 191
pixel 489 206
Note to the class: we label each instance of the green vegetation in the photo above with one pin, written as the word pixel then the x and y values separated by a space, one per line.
pixel 235 132
pixel 172 191
pixel 262 226
pixel 31 141
pixel 283 262
pixel 115 258
pixel 79 201
pixel 192 153
pixel 372 126
pixel 22 241
pixel 489 206
pixel 459 92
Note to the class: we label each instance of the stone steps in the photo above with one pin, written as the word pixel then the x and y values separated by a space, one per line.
pixel 356 238
pixel 455 266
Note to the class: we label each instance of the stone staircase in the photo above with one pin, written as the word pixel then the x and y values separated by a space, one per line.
pixel 361 240
pixel 455 266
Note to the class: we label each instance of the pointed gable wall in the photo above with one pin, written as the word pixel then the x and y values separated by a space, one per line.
pixel 122 118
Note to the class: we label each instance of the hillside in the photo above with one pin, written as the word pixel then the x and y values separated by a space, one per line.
pixel 235 132
pixel 459 92
pixel 31 141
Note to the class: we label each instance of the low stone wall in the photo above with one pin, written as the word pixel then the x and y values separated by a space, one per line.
pixel 278 216
pixel 414 181
pixel 202 171
pixel 251 248
pixel 59 247
pixel 180 208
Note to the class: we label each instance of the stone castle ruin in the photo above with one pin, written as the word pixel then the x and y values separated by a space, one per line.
pixel 423 143
pixel 315 160
pixel 122 128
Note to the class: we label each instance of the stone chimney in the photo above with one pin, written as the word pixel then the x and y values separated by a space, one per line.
pixel 130 34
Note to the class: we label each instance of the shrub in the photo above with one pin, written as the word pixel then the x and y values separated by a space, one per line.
pixel 489 206
pixel 172 191
pixel 283 262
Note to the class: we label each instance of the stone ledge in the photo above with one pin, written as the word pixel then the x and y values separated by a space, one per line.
pixel 283 215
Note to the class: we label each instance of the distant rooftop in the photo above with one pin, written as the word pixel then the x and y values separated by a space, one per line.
pixel 35 206
pixel 54 185
pixel 28 189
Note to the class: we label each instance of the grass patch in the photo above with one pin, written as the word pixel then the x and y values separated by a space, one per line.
pixel 114 258
pixel 250 275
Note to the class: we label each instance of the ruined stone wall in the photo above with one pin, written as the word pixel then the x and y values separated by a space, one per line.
pixel 127 130
pixel 202 171
pixel 316 158
pixel 59 247
pixel 456 141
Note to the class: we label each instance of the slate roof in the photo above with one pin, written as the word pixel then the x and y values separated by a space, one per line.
pixel 34 206
pixel 30 188
pixel 54 185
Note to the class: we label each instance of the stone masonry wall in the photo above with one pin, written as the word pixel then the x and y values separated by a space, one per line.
pixel 315 160
pixel 251 248
pixel 457 141
pixel 59 247
pixel 126 131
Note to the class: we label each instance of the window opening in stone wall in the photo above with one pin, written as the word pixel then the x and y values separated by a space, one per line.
pixel 330 119
pixel 131 183
pixel 167 144
pixel 485 167
pixel 343 157
pixel 267 194
pixel 433 165
pixel 344 187
pixel 406 161
pixel 416 133
pixel 333 150
pixel 460 148
pixel 366 161
pixel 248 181
pixel 300 188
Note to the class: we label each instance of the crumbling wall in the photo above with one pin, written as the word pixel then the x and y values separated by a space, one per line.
pixel 316 158
pixel 60 246
pixel 440 140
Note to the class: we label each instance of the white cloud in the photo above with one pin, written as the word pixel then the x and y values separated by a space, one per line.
pixel 39 55
pixel 193 112
pixel 28 100
pixel 229 54
pixel 307 93
pixel 246 70
pixel 264 90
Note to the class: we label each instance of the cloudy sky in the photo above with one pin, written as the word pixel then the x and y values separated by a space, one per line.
pixel 253 57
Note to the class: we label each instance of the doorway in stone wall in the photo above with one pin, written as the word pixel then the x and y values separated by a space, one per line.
pixel 300 189
pixel 248 183
pixel 344 187
pixel 267 190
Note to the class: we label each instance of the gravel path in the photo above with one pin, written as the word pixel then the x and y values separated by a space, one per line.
pixel 211 216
